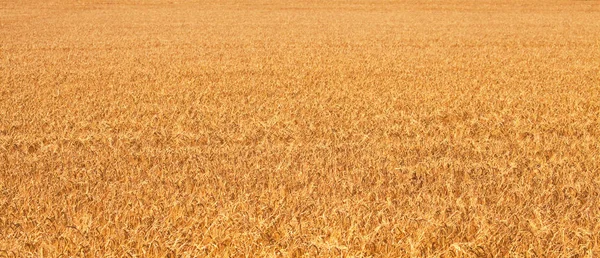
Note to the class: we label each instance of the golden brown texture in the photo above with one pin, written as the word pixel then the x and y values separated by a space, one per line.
pixel 286 128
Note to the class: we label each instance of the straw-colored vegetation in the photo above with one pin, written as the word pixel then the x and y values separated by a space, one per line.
pixel 288 128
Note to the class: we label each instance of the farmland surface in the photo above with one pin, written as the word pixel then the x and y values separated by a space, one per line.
pixel 299 128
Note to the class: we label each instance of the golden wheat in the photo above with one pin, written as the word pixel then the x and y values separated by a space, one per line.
pixel 299 128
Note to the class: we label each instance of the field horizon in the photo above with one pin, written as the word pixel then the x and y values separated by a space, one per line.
pixel 356 128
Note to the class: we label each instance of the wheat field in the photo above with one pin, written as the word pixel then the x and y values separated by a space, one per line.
pixel 276 128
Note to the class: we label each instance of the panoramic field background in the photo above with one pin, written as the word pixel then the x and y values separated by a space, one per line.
pixel 290 128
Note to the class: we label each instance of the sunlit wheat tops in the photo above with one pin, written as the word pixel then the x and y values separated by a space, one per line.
pixel 280 128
